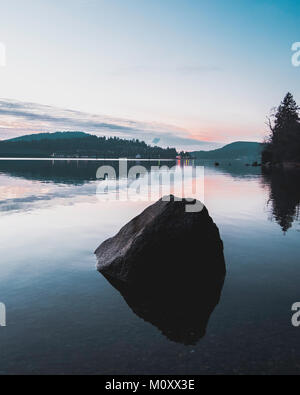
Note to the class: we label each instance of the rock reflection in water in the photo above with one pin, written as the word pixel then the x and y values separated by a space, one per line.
pixel 179 309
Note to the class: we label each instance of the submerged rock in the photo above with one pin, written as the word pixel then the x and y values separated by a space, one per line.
pixel 169 266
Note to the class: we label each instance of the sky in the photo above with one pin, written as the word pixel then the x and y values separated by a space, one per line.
pixel 190 73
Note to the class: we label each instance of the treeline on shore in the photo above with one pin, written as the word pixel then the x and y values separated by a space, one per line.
pixel 82 145
pixel 282 147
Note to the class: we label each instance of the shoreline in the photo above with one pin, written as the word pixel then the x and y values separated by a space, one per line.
pixel 91 159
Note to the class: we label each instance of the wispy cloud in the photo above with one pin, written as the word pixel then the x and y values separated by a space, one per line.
pixel 19 118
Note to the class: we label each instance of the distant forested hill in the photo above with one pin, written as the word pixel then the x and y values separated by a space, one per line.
pixel 238 150
pixel 78 144
pixel 49 136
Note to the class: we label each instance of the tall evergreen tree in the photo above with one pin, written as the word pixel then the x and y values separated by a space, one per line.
pixel 284 140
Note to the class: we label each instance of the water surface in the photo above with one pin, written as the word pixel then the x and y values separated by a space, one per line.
pixel 63 317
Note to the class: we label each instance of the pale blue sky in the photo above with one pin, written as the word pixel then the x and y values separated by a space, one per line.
pixel 205 70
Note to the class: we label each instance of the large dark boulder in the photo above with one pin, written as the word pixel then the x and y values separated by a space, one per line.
pixel 169 266
pixel 164 240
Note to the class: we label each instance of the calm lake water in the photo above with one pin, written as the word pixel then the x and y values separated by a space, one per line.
pixel 63 317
